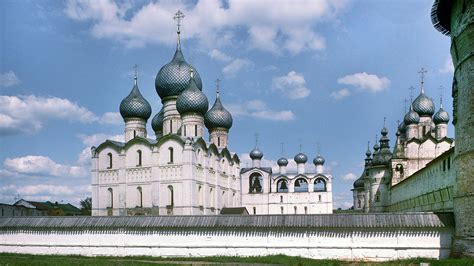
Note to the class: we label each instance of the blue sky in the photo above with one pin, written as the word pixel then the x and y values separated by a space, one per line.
pixel 297 72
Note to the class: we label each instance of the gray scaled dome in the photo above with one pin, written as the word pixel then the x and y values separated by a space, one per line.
pixel 157 121
pixel 192 100
pixel 411 117
pixel 423 105
pixel 134 105
pixel 300 158
pixel 402 127
pixel 282 162
pixel 359 183
pixel 173 78
pixel 319 160
pixel 441 117
pixel 256 154
pixel 218 116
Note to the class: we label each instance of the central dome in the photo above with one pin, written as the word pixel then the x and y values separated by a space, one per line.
pixel 300 158
pixel 423 105
pixel 173 78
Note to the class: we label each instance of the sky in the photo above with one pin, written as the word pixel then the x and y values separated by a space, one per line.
pixel 320 75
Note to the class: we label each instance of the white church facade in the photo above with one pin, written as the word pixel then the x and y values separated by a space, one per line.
pixel 179 172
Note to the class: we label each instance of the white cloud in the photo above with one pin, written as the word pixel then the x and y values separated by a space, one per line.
pixel 342 93
pixel 365 81
pixel 448 66
pixel 259 109
pixel 8 79
pixel 292 85
pixel 288 25
pixel 43 166
pixel 28 114
pixel 220 56
pixel 235 66
pixel 349 176
pixel 96 139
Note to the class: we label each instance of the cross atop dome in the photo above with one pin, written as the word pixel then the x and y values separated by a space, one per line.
pixel 135 77
pixel 422 73
pixel 218 82
pixel 178 17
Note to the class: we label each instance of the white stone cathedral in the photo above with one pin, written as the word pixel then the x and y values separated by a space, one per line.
pixel 179 173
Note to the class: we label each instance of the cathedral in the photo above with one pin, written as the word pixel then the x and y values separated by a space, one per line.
pixel 420 138
pixel 179 172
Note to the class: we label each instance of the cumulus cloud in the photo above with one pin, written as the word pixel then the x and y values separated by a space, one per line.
pixel 220 56
pixel 448 66
pixel 365 81
pixel 8 79
pixel 289 25
pixel 235 67
pixel 28 114
pixel 292 85
pixel 84 157
pixel 259 109
pixel 41 166
pixel 349 176
pixel 339 94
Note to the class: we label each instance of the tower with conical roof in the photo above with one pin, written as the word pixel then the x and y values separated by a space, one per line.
pixel 135 111
pixel 218 121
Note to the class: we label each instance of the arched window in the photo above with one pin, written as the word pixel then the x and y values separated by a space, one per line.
pixel 171 126
pixel 281 210
pixel 305 210
pixel 296 209
pixel 134 134
pixel 223 199
pixel 200 195
pixel 109 155
pixel 211 197
pixel 111 198
pixel 254 210
pixel 218 141
pixel 301 185
pixel 282 186
pixel 281 199
pixel 255 183
pixel 171 196
pixel 171 155
pixel 319 185
pixel 140 197
pixel 139 154
pixel 358 204
pixel 319 198
pixel 377 196
pixel 195 130
pixel 184 128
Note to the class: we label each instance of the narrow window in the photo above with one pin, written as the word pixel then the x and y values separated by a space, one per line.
pixel 171 126
pixel 110 160
pixel 444 165
pixel 134 134
pixel 139 154
pixel 218 141
pixel 319 198
pixel 140 197
pixel 449 163
pixel 195 130
pixel 305 210
pixel 358 204
pixel 281 210
pixel 184 127
pixel 254 210
pixel 200 196
pixel 111 198
pixel 296 210
pixel 171 154
pixel 281 199
pixel 377 197
pixel 171 196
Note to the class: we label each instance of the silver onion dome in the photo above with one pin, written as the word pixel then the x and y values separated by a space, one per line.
pixel 256 154
pixel 402 127
pixel 157 121
pixel 135 105
pixel 218 116
pixel 192 100
pixel 319 160
pixel 423 105
pixel 368 153
pixel 282 161
pixel 441 117
pixel 411 117
pixel 359 183
pixel 173 78
pixel 300 158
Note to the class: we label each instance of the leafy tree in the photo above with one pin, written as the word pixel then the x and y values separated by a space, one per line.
pixel 86 206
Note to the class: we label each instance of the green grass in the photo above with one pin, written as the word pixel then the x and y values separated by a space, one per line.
pixel 25 259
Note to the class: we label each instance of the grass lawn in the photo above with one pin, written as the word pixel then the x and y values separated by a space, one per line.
pixel 25 259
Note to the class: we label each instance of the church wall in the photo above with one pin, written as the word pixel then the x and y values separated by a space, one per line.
pixel 429 189
pixel 370 244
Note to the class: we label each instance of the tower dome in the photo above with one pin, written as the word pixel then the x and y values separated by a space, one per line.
pixel 157 121
pixel 441 117
pixel 300 158
pixel 411 117
pixel 134 105
pixel 282 161
pixel 402 127
pixel 218 116
pixel 256 154
pixel 192 100
pixel 359 183
pixel 423 105
pixel 319 160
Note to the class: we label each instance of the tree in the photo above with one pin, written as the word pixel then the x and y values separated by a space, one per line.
pixel 86 206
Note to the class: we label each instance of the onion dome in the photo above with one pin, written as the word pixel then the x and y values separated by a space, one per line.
pixel 411 117
pixel 256 154
pixel 134 105
pixel 157 121
pixel 192 100
pixel 218 116
pixel 173 78
pixel 300 158
pixel 441 117
pixel 282 162
pixel 359 183
pixel 368 153
pixel 319 160
pixel 402 127
pixel 423 105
